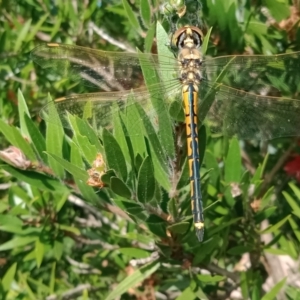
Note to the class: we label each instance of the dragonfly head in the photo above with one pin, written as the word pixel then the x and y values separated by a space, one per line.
pixel 187 36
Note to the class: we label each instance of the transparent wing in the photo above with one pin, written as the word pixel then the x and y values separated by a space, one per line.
pixel 109 71
pixel 235 112
pixel 253 96
pixel 140 112
pixel 274 75
pixel 98 108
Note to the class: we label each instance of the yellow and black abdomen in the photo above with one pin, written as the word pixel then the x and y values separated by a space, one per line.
pixel 190 97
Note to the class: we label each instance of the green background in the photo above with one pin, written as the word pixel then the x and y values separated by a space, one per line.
pixel 62 239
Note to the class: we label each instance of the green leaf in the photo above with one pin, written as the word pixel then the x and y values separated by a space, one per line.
pixel 54 142
pixel 146 12
pixel 135 252
pixel 267 197
pixel 11 228
pixel 84 137
pixel 149 38
pixel 52 278
pixel 60 201
pixel 130 207
pixel 293 204
pixel 239 250
pixel 146 181
pixel 151 77
pixel 58 250
pixel 122 138
pixel 23 112
pixel 39 252
pixel 244 284
pixel 22 34
pixel 163 50
pixel 209 278
pixel 256 291
pixel 38 180
pixel 15 138
pixel 10 220
pixel 257 175
pixel 172 208
pixel 295 228
pixel 211 163
pixel 272 229
pixel 220 227
pixel 186 294
pixel 87 191
pixel 8 277
pixel 74 170
pixel 279 9
pixel 136 141
pixel 159 158
pixel 180 228
pixel 120 188
pixel 265 214
pixel 114 156
pixel 105 178
pixel 37 140
pixel 18 242
pixel 8 132
pixel 233 162
pixel 273 293
pixel 275 251
pixel 264 164
pixel 34 29
pixel 204 45
pixel 130 15
pixel 295 189
pixel 159 229
pixel 207 247
pixel 68 228
pixel 132 280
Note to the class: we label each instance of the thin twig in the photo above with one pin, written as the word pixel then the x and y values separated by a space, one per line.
pixel 108 38
pixel 72 293
pixel 247 162
pixel 269 177
pixel 216 269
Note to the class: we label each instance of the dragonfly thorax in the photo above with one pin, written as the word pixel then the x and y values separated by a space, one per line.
pixel 189 58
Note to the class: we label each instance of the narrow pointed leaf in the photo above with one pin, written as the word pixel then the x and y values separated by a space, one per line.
pixel 131 16
pixel 233 162
pixel 272 229
pixel 132 280
pixel 23 111
pixel 37 139
pixel 146 181
pixel 71 168
pixel 17 242
pixel 39 252
pixel 146 12
pixel 54 142
pixel 179 227
pixel 38 180
pixel 119 187
pixel 273 293
pixel 8 277
pixel 135 252
pixel 114 156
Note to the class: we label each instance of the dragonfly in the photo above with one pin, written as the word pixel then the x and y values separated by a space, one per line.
pixel 249 96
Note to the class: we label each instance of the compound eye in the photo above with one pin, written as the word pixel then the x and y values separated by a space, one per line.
pixel 177 38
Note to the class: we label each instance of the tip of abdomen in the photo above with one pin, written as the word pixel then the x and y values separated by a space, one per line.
pixel 199 234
